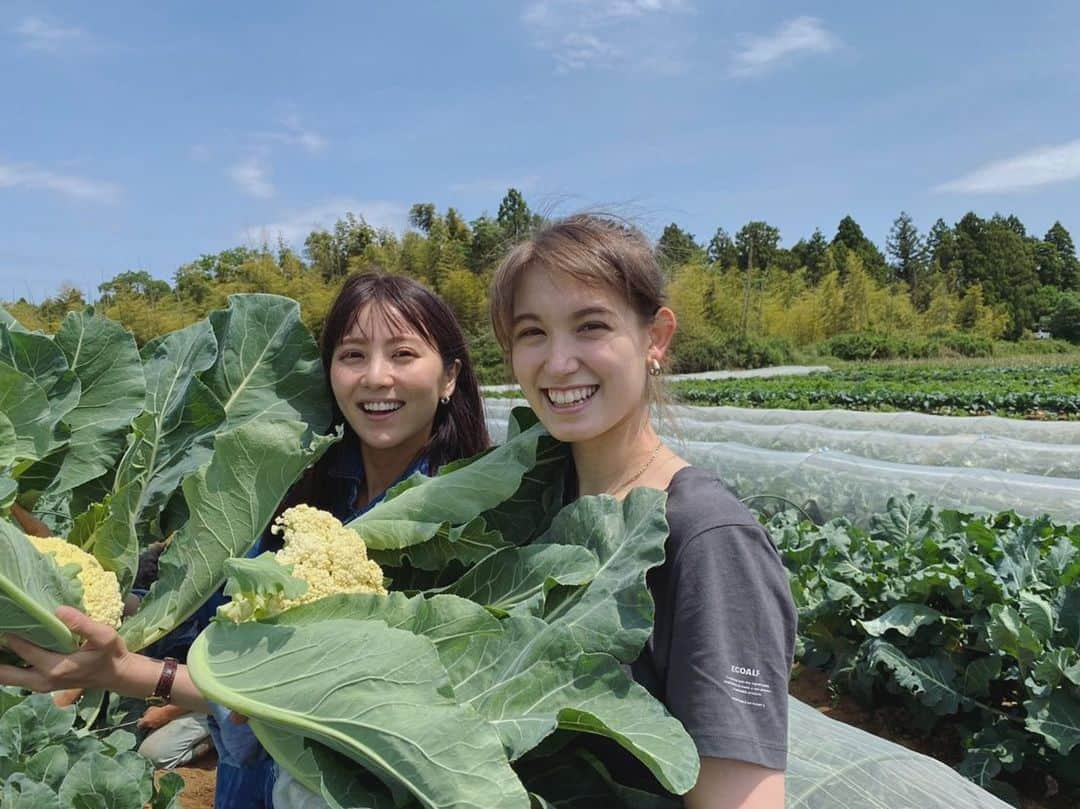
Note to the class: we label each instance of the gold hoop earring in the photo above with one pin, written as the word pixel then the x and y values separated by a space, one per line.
pixel 654 367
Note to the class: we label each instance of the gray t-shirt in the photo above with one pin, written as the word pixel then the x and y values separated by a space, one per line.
pixel 720 653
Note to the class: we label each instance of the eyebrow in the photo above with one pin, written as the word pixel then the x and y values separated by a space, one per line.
pixel 393 338
pixel 576 315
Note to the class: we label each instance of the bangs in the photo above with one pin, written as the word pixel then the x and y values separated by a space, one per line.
pixel 397 322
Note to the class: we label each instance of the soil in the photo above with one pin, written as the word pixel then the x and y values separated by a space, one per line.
pixel 809 686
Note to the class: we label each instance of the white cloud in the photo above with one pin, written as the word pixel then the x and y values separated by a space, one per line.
pixel 296 226
pixel 296 134
pixel 583 34
pixel 252 177
pixel 40 35
pixel 68 185
pixel 1042 166
pixel 758 54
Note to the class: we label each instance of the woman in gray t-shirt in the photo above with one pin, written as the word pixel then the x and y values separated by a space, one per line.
pixel 579 309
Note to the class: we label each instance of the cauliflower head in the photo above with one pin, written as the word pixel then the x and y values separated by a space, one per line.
pixel 324 553
pixel 101 591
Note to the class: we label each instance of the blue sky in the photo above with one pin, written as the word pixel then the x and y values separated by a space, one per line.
pixel 139 135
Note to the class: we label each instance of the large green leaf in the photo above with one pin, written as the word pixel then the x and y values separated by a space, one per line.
pixel 377 694
pixel 230 500
pixel 26 406
pixel 104 357
pixel 171 437
pixel 614 613
pixel 32 587
pixel 520 578
pixel 1056 719
pixel 267 364
pixel 97 781
pixel 931 679
pixel 904 618
pixel 420 508
pixel 40 358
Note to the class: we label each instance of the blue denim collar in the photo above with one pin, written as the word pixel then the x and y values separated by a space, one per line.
pixel 349 467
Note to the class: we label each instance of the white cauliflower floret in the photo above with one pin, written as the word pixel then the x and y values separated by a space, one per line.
pixel 101 590
pixel 324 553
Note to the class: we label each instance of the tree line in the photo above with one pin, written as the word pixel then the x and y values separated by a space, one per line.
pixel 988 277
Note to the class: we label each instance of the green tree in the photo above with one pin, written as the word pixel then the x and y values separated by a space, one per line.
pixel 758 240
pixel 908 252
pixel 1058 264
pixel 457 228
pixel 133 284
pixel 722 250
pixel 421 216
pixel 815 255
pixel 677 247
pixel 850 237
pixel 1065 322
pixel 488 244
pixel 514 216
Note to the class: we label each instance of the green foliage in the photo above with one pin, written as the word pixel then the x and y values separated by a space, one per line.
pixel 968 622
pixel 528 641
pixel 199 436
pixel 861 346
pixel 1052 391
pixel 49 759
pixel 704 353
pixel 1065 321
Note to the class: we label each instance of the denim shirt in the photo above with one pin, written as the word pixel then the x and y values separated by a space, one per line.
pixel 238 749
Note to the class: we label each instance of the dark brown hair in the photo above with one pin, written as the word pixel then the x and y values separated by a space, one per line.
pixel 459 429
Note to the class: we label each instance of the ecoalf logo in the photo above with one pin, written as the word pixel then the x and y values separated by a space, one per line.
pixel 746 671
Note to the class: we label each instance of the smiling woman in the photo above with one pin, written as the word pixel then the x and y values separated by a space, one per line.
pixel 580 309
pixel 407 400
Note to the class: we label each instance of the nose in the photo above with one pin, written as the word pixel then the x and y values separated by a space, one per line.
pixel 378 373
pixel 562 359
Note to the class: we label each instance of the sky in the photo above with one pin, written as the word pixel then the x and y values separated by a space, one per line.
pixel 141 135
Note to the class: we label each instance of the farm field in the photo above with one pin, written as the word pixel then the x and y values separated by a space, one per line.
pixel 945 607
pixel 1047 390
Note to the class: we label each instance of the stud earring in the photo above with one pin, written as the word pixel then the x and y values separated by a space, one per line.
pixel 654 367
pixel 445 400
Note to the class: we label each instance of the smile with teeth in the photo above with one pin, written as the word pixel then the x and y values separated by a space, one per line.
pixel 381 407
pixel 571 396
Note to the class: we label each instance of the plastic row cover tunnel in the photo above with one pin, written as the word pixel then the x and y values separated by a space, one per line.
pixel 835 484
pixel 1043 432
pixel 979 451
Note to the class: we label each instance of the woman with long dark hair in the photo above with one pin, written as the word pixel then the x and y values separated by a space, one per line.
pixel 407 399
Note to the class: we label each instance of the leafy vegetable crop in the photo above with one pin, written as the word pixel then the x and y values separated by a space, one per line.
pixel 1024 392
pixel 50 760
pixel 972 623
pixel 196 438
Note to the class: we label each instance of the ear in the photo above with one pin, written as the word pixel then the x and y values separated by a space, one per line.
pixel 451 378
pixel 661 331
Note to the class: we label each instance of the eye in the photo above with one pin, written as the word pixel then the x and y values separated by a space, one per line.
pixel 593 326
pixel 404 354
pixel 350 354
pixel 531 331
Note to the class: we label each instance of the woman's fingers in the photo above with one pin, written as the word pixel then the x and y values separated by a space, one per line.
pixel 30 679
pixel 86 627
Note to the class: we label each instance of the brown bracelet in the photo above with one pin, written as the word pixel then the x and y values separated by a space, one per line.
pixel 163 690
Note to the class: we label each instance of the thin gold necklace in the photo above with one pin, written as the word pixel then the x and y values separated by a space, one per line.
pixel 626 483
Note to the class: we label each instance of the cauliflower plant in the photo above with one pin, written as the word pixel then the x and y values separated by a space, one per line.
pixel 328 556
pixel 320 557
pixel 101 591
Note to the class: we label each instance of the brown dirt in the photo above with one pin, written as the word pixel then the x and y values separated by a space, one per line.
pixel 199 780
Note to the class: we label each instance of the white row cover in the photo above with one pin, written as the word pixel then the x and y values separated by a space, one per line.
pixel 751 373
pixel 979 451
pixel 840 484
pixel 1043 432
